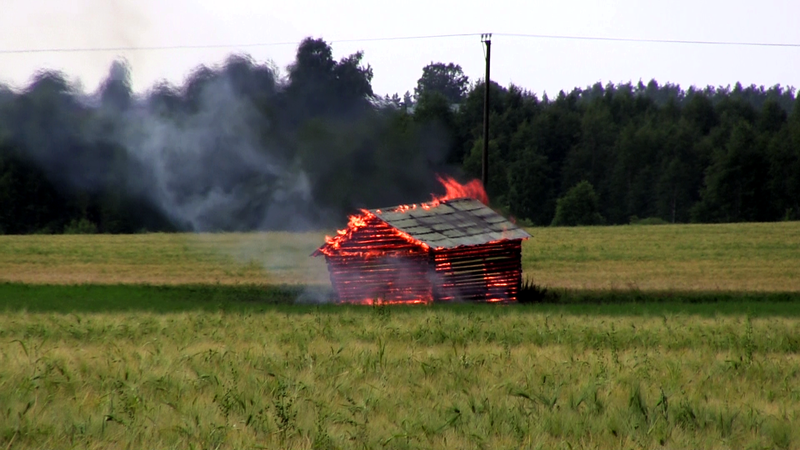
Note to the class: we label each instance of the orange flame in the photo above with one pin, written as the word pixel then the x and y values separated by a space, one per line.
pixel 355 222
pixel 453 190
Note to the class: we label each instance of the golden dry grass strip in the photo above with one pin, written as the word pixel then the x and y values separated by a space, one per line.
pixel 163 258
pixel 744 257
pixel 736 257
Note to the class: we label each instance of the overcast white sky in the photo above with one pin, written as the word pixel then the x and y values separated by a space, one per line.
pixel 536 64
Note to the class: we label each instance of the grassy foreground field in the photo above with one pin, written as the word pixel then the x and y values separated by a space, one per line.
pixel 666 337
pixel 393 377
pixel 731 257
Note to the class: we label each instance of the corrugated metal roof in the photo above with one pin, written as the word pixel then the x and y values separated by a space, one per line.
pixel 453 223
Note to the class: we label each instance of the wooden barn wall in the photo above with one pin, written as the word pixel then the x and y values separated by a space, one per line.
pixel 490 272
pixel 378 265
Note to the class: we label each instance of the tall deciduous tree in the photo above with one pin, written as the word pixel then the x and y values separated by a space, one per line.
pixel 446 79
pixel 319 85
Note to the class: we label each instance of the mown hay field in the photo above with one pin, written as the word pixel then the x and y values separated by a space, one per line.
pixel 729 257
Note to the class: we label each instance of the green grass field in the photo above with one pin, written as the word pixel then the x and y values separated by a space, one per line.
pixel 663 337
pixel 399 377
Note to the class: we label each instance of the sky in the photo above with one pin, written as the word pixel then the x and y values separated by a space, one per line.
pixel 539 65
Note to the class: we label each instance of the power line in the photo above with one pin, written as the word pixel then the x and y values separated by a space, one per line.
pixel 136 49
pixel 390 38
pixel 407 38
pixel 213 46
pixel 652 41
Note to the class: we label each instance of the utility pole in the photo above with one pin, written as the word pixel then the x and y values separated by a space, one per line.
pixel 486 39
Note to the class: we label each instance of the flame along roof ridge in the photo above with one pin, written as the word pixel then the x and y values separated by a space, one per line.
pixel 451 223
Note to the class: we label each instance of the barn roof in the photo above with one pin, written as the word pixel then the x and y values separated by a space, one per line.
pixel 452 223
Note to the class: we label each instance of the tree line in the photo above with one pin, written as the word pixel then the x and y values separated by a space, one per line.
pixel 242 147
pixel 645 151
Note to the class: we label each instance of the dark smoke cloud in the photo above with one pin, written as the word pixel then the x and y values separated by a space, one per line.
pixel 233 148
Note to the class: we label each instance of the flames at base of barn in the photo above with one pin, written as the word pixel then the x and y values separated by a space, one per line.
pixel 450 249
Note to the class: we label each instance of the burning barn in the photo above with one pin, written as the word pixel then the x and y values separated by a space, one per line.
pixel 453 248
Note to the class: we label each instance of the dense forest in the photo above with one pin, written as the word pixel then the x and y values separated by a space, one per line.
pixel 241 147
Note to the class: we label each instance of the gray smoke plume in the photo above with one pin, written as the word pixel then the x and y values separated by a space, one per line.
pixel 234 148
pixel 206 169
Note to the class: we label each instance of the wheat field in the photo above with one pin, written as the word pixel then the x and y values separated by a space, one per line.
pixel 400 378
